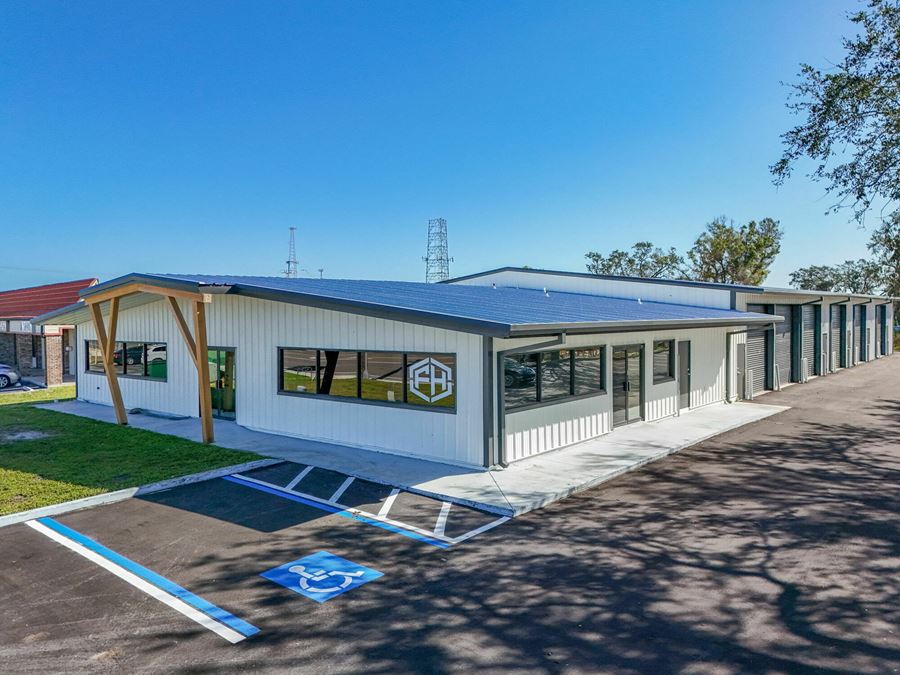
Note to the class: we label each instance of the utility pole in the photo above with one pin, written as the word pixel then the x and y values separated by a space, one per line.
pixel 437 260
pixel 292 268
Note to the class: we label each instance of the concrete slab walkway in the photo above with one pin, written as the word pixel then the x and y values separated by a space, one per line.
pixel 523 486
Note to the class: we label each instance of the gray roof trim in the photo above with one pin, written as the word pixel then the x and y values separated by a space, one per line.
pixel 524 330
pixel 610 277
pixel 138 277
pixel 739 288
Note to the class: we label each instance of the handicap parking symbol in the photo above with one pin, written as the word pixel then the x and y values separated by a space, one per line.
pixel 321 576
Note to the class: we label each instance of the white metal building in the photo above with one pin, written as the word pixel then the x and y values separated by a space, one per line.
pixel 481 370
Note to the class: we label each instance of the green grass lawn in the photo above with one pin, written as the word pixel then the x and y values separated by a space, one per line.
pixel 78 457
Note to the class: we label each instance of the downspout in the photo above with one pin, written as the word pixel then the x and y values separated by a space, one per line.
pixel 501 390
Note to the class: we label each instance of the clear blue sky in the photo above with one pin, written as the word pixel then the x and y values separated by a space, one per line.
pixel 187 137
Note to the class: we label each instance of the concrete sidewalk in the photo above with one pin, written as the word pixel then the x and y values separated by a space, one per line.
pixel 523 486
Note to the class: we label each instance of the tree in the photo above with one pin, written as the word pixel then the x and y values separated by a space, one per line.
pixel 736 255
pixel 816 278
pixel 885 246
pixel 851 117
pixel 879 275
pixel 644 260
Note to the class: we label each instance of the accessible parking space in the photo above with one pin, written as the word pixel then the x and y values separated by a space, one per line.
pixel 231 558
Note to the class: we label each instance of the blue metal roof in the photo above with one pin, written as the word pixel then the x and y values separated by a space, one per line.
pixel 504 311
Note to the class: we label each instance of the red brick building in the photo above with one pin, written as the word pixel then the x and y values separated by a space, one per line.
pixel 41 352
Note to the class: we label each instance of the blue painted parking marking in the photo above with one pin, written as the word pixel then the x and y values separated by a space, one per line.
pixel 344 513
pixel 152 577
pixel 321 576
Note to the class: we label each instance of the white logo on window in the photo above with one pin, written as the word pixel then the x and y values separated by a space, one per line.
pixel 432 374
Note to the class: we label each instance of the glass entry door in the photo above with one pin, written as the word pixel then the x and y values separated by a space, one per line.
pixel 222 383
pixel 628 376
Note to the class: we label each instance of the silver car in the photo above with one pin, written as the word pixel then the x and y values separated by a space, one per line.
pixel 8 376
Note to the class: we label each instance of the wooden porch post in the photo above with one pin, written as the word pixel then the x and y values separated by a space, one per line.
pixel 202 361
pixel 107 349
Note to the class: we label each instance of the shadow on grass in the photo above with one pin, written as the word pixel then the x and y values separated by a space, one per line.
pixel 95 456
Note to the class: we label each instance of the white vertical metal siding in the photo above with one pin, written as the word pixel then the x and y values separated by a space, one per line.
pixel 537 430
pixel 151 322
pixel 255 329
pixel 680 294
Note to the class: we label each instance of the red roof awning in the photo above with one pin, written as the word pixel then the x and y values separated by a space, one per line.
pixel 27 303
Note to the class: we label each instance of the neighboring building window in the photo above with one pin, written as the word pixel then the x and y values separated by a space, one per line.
pixel 590 371
pixel 663 360
pixel 94 357
pixel 420 379
pixel 131 359
pixel 382 376
pixel 544 377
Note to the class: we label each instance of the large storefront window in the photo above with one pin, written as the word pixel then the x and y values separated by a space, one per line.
pixel 130 359
pixel 553 376
pixel 423 380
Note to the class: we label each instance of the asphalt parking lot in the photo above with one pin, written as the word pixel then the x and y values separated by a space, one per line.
pixel 772 548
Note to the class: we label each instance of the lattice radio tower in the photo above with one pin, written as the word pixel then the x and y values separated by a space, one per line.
pixel 291 269
pixel 437 262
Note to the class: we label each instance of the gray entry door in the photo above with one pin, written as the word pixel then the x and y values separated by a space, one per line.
pixel 684 374
pixel 627 376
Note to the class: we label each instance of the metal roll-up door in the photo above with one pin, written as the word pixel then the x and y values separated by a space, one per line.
pixel 783 337
pixel 857 329
pixel 837 338
pixel 809 338
pixel 756 358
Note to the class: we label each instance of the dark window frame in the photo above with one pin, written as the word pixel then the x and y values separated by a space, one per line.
pixel 539 401
pixel 124 374
pixel 670 376
pixel 404 404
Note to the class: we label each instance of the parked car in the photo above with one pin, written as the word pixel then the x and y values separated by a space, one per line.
pixel 9 376
pixel 132 355
pixel 516 374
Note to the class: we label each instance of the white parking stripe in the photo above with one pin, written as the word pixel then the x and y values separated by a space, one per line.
pixel 340 491
pixel 479 530
pixel 348 509
pixel 178 605
pixel 300 476
pixel 441 523
pixel 388 503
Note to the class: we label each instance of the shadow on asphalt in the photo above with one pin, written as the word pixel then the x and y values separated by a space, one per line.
pixel 772 548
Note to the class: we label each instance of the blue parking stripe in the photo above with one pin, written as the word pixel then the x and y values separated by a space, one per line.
pixel 170 587
pixel 336 511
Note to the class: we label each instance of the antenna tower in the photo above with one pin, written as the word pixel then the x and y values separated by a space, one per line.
pixel 290 271
pixel 437 260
